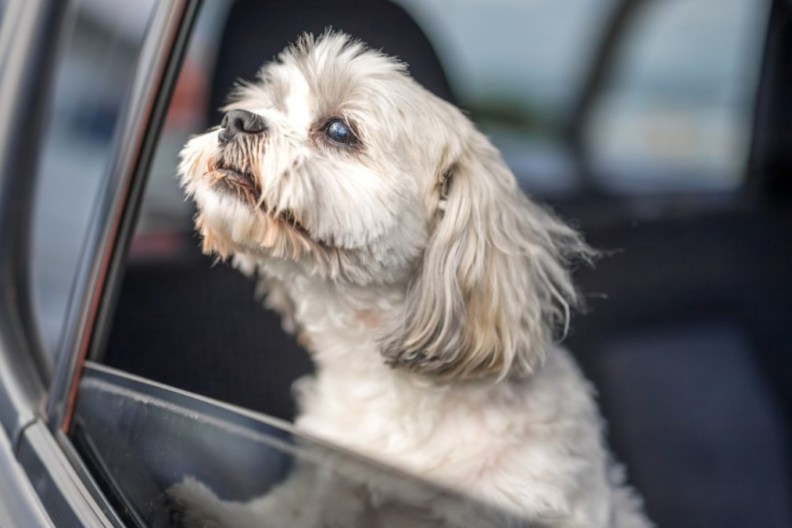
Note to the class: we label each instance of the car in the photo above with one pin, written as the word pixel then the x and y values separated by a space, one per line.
pixel 129 360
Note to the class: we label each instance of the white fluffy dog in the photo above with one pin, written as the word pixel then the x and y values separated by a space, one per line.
pixel 393 239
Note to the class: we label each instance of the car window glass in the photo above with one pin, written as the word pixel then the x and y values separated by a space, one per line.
pixel 91 84
pixel 677 113
pixel 675 117
pixel 142 440
pixel 516 66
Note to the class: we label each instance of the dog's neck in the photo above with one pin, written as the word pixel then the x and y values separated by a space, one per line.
pixel 340 323
pixel 341 326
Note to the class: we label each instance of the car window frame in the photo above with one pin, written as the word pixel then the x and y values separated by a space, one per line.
pixel 50 482
pixel 27 67
pixel 626 206
pixel 113 221
pixel 43 486
pixel 112 224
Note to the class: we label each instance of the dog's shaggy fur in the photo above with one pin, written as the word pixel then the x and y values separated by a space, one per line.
pixel 428 289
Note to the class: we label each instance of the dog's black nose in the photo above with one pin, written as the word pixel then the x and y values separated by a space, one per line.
pixel 240 122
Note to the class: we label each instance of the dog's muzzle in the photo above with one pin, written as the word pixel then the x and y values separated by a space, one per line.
pixel 241 131
pixel 240 122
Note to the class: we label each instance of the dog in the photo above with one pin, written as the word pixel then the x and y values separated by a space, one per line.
pixel 429 290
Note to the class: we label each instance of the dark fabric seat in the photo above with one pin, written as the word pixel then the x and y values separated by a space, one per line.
pixel 199 327
pixel 256 31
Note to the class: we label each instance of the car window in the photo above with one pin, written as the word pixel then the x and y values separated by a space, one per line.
pixel 675 114
pixel 517 67
pixel 144 439
pixel 92 81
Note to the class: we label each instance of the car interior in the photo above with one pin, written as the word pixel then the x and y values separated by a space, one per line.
pixel 688 321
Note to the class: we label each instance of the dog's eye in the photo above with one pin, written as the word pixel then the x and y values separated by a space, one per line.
pixel 338 131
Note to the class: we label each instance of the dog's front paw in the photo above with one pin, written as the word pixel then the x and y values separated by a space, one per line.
pixel 193 505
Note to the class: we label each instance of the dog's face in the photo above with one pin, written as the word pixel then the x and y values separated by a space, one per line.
pixel 328 159
pixel 335 161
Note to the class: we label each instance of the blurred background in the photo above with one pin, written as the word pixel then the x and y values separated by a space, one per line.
pixel 635 119
pixel 673 116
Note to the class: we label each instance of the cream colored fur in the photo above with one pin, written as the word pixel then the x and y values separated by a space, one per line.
pixel 429 289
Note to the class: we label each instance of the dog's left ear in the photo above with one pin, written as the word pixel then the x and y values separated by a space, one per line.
pixel 494 282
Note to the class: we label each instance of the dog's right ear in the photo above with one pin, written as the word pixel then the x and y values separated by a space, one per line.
pixel 493 283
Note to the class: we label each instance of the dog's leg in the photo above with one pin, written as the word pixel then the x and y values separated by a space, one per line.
pixel 309 498
pixel 193 505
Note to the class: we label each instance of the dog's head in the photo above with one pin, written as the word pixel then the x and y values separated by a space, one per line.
pixel 336 161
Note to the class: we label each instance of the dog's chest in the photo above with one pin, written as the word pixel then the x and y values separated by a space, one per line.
pixel 517 445
pixel 433 434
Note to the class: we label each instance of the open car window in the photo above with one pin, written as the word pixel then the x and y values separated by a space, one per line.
pixel 141 438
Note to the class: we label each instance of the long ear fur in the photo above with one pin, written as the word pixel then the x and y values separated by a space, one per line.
pixel 494 281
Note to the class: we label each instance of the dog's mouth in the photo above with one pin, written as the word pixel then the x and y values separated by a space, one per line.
pixel 235 181
pixel 243 185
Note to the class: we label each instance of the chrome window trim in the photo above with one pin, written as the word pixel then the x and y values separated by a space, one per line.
pixel 114 217
pixel 19 504
pixel 50 485
pixel 30 34
pixel 61 489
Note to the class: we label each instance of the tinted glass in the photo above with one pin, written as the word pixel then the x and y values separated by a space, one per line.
pixel 141 439
pixel 91 86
